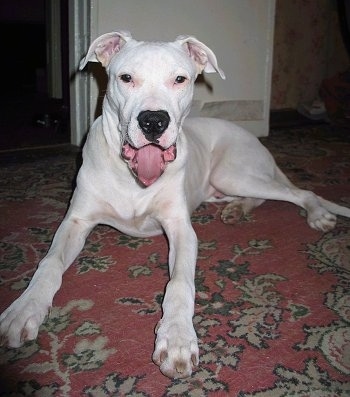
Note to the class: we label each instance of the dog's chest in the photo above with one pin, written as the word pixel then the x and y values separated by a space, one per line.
pixel 131 215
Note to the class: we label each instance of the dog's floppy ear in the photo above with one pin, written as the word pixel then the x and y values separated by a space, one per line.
pixel 104 47
pixel 201 54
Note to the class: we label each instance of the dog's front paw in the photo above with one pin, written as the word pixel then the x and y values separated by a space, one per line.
pixel 21 321
pixel 176 350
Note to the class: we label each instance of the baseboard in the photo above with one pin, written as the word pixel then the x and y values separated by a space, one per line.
pixel 237 110
pixel 249 114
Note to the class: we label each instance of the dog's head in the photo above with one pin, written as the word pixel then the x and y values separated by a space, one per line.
pixel 149 93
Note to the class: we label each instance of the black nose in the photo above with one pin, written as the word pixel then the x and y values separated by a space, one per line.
pixel 153 123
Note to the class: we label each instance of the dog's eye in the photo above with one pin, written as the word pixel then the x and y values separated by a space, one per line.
pixel 126 78
pixel 180 79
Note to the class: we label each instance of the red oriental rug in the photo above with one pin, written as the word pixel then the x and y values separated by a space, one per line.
pixel 273 296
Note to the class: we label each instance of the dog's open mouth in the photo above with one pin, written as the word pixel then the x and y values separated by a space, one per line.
pixel 148 162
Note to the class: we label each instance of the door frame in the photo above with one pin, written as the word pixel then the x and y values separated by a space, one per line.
pixel 80 14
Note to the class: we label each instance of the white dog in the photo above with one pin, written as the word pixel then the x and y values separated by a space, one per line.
pixel 145 169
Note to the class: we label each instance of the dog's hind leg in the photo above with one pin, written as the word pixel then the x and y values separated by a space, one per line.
pixel 320 212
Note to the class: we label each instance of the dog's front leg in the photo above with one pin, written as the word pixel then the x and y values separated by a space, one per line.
pixel 21 320
pixel 176 349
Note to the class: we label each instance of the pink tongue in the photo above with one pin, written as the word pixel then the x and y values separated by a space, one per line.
pixel 150 164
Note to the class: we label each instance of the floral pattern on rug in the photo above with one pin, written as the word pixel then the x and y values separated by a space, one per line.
pixel 272 304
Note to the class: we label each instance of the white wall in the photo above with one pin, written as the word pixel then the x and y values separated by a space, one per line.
pixel 240 32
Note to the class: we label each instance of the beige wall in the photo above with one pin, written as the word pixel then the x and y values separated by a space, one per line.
pixel 240 32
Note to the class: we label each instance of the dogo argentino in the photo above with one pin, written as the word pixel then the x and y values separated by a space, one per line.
pixel 145 169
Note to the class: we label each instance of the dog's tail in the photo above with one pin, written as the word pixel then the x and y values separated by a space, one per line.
pixel 334 208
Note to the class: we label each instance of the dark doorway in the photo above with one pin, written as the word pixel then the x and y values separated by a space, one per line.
pixel 29 114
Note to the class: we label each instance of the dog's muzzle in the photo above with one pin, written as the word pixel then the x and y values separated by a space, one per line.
pixel 148 162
